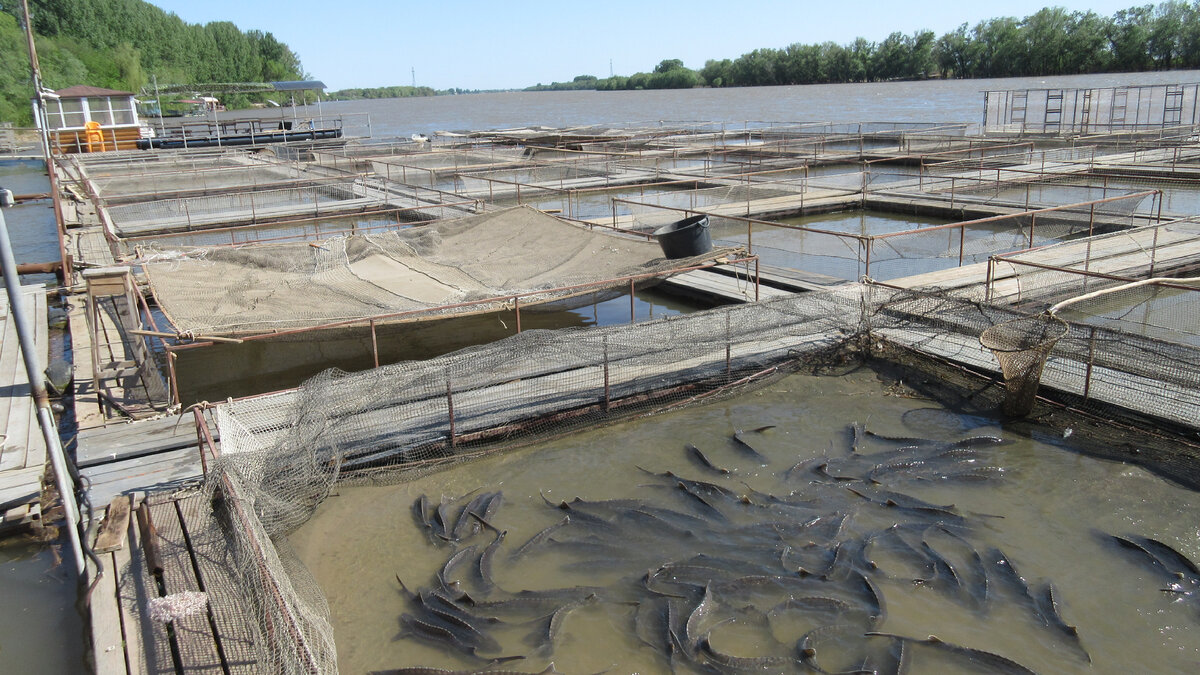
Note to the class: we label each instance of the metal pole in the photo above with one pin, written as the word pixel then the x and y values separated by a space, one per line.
pixel 607 388
pixel 632 306
pixel 450 411
pixel 37 389
pixel 374 344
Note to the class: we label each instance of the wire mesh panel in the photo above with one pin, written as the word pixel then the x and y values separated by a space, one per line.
pixel 255 205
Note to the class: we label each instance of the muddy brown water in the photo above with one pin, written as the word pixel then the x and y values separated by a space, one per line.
pixel 1056 508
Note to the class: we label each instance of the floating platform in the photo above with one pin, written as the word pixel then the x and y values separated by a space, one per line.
pixel 23 453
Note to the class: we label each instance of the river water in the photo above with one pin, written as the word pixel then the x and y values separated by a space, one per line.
pixel 1050 510
pixel 924 101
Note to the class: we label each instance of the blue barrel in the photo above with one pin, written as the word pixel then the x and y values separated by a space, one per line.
pixel 685 238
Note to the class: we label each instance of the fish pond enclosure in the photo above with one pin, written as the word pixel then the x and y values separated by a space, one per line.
pixel 737 517
pixel 455 408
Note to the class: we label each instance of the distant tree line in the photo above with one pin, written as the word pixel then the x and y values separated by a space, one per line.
pixel 401 91
pixel 381 92
pixel 1052 41
pixel 118 44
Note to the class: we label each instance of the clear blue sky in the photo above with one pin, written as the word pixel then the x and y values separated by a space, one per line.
pixel 501 45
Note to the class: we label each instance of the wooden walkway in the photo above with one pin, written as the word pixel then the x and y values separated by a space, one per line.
pixel 710 284
pixel 23 453
pixel 178 547
pixel 148 455
pixel 1121 253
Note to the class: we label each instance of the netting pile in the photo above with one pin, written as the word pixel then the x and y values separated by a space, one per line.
pixel 263 288
pixel 283 453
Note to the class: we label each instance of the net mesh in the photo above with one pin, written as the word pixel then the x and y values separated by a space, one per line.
pixel 1021 346
pixel 484 259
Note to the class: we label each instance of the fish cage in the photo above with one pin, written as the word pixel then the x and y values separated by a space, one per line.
pixel 379 287
pixel 1090 110
pixel 896 254
pixel 334 196
pixel 301 229
pixel 1035 280
pixel 158 185
pixel 282 455
pixel 742 197
pixel 132 161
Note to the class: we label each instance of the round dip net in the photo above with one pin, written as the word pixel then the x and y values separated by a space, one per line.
pixel 1021 346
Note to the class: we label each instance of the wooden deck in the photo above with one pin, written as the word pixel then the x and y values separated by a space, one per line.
pixel 23 452
pixel 149 455
pixel 187 554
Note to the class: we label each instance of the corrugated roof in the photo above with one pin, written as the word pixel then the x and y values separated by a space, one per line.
pixel 84 91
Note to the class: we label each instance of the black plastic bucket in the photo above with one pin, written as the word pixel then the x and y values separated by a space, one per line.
pixel 685 238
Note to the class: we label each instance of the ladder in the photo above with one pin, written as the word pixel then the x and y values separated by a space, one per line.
pixel 1118 107
pixel 1173 105
pixel 1020 103
pixel 1085 113
pixel 1052 119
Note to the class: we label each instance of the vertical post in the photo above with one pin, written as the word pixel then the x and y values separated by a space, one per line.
pixel 1087 377
pixel 728 346
pixel 632 307
pixel 374 343
pixel 952 192
pixel 1154 250
pixel 607 388
pixel 1032 224
pixel 991 278
pixel 37 389
pixel 757 281
pixel 450 411
pixel 1091 220
pixel 199 416
pixel 171 357
pixel 517 309
pixel 962 240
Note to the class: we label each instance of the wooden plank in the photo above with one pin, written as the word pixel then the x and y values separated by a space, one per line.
pixel 116 523
pixel 147 649
pixel 218 575
pixel 164 471
pixel 15 382
pixel 36 454
pixel 21 516
pixel 134 439
pixel 193 634
pixel 108 648
pixel 721 286
pixel 20 486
